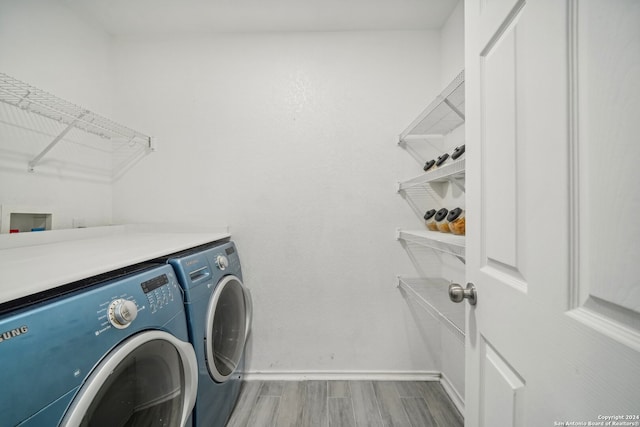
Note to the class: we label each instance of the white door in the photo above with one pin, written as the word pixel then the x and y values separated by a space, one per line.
pixel 553 206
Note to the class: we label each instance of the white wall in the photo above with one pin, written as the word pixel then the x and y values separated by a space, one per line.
pixel 452 45
pixel 45 45
pixel 291 140
pixel 287 138
pixel 452 51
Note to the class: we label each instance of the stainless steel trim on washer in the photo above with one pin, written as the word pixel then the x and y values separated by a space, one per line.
pixel 248 303
pixel 211 311
pixel 97 379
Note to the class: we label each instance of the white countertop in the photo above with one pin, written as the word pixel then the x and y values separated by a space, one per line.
pixel 39 261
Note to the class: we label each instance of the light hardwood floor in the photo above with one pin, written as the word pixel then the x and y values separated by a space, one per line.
pixel 344 404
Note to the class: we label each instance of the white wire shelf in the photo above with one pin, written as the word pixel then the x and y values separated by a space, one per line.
pixel 453 172
pixel 433 295
pixel 443 242
pixel 33 100
pixel 444 114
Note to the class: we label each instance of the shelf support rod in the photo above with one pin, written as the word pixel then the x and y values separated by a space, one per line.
pixel 457 183
pixel 23 98
pixel 455 110
pixel 36 159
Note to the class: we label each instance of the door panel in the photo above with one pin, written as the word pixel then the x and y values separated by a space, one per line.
pixel 502 392
pixel 607 283
pixel 499 147
pixel 554 335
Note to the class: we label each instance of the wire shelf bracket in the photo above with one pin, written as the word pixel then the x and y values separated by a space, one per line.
pixel 444 114
pixel 441 242
pixel 452 172
pixel 36 159
pixel 432 295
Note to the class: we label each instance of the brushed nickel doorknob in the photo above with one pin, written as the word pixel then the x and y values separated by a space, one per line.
pixel 457 293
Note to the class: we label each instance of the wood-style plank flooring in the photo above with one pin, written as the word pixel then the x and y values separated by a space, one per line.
pixel 344 404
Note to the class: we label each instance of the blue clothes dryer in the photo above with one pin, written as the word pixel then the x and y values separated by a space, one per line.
pixel 107 351
pixel 219 310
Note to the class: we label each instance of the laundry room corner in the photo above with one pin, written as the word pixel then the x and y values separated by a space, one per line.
pixel 249 213
pixel 289 138
pixel 51 47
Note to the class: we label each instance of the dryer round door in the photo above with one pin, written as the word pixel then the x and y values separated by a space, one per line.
pixel 228 320
pixel 149 377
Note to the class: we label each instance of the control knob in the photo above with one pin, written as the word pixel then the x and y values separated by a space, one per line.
pixel 122 312
pixel 222 262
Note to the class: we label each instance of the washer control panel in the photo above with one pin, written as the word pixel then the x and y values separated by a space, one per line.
pixel 159 291
pixel 121 304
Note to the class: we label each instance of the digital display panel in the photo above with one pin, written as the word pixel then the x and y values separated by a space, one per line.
pixel 155 283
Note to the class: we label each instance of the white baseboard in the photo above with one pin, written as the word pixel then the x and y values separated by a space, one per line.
pixel 342 375
pixel 453 393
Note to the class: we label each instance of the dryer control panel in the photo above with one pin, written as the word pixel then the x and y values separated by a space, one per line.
pixel 225 259
pixel 160 291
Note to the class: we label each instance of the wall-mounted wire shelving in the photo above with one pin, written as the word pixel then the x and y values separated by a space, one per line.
pixel 124 144
pixel 442 116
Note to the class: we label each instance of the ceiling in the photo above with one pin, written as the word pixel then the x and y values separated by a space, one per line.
pixel 147 17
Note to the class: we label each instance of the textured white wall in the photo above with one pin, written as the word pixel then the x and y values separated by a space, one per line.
pixel 291 140
pixel 452 51
pixel 47 46
pixel 452 45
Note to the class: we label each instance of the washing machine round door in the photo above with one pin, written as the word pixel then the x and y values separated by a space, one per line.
pixel 149 379
pixel 228 320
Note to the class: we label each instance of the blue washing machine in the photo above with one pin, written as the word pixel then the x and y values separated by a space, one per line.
pixel 108 351
pixel 219 310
